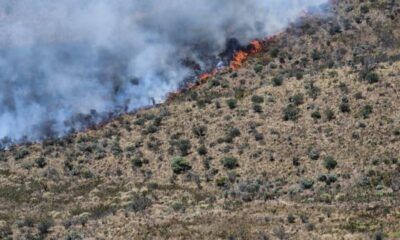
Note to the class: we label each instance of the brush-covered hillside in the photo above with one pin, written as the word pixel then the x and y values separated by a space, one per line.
pixel 300 142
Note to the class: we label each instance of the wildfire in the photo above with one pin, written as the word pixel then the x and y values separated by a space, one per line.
pixel 241 56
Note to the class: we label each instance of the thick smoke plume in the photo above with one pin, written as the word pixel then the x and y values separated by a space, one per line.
pixel 67 63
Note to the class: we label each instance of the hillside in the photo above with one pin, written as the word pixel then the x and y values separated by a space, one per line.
pixel 300 142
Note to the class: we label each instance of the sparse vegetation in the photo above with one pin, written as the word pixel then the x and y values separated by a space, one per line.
pixel 180 165
pixel 299 142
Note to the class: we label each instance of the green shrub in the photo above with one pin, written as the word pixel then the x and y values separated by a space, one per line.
pixel 297 99
pixel 312 90
pixel 344 107
pixel 202 150
pixel 316 115
pixel 291 113
pixel 257 99
pixel 258 68
pixel 21 153
pixel 139 203
pixel 330 163
pixel 274 52
pixel 40 162
pixel 178 206
pixel 232 103
pixel 180 165
pixel 366 111
pixel 257 108
pixel 221 182
pixel 137 162
pixel 277 81
pixel 184 146
pixel 364 9
pixel 199 131
pixel 329 114
pixel 313 153
pixel 370 76
pixel 306 184
pixel 291 218
pixel 44 225
pixel 229 162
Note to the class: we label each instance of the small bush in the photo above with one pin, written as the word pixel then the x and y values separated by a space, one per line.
pixel 370 77
pixel 291 218
pixel 257 99
pixel 312 90
pixel 137 162
pixel 330 163
pixel 258 68
pixel 306 184
pixel 257 108
pixel 316 115
pixel 313 154
pixel 202 150
pixel 44 225
pixel 344 107
pixel 297 99
pixel 40 162
pixel 291 113
pixel 139 203
pixel 229 162
pixel 21 153
pixel 364 9
pixel 180 165
pixel 277 81
pixel 274 52
pixel 232 103
pixel 329 114
pixel 199 131
pixel 184 146
pixel 366 111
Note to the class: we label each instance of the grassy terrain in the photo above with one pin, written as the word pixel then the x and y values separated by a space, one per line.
pixel 301 142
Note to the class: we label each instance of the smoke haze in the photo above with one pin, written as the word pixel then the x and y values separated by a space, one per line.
pixel 67 63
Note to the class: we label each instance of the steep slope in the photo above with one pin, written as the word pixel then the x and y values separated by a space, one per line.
pixel 300 142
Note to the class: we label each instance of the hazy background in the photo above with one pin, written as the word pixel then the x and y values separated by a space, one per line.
pixel 67 63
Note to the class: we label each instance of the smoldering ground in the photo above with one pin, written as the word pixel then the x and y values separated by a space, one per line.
pixel 68 63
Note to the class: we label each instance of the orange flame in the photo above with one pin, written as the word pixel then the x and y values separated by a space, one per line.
pixel 240 57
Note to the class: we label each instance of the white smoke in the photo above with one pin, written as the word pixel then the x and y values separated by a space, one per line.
pixel 65 63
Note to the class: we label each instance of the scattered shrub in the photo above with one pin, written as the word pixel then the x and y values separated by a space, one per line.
pixel 184 146
pixel 274 52
pixel 202 150
pixel 306 184
pixel 257 108
pixel 330 163
pixel 291 218
pixel 139 203
pixel 291 113
pixel 297 99
pixel 40 162
pixel 329 114
pixel 180 165
pixel 277 81
pixel 21 153
pixel 229 162
pixel 258 68
pixel 316 115
pixel 232 103
pixel 257 99
pixel 313 154
pixel 199 131
pixel 366 111
pixel 44 225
